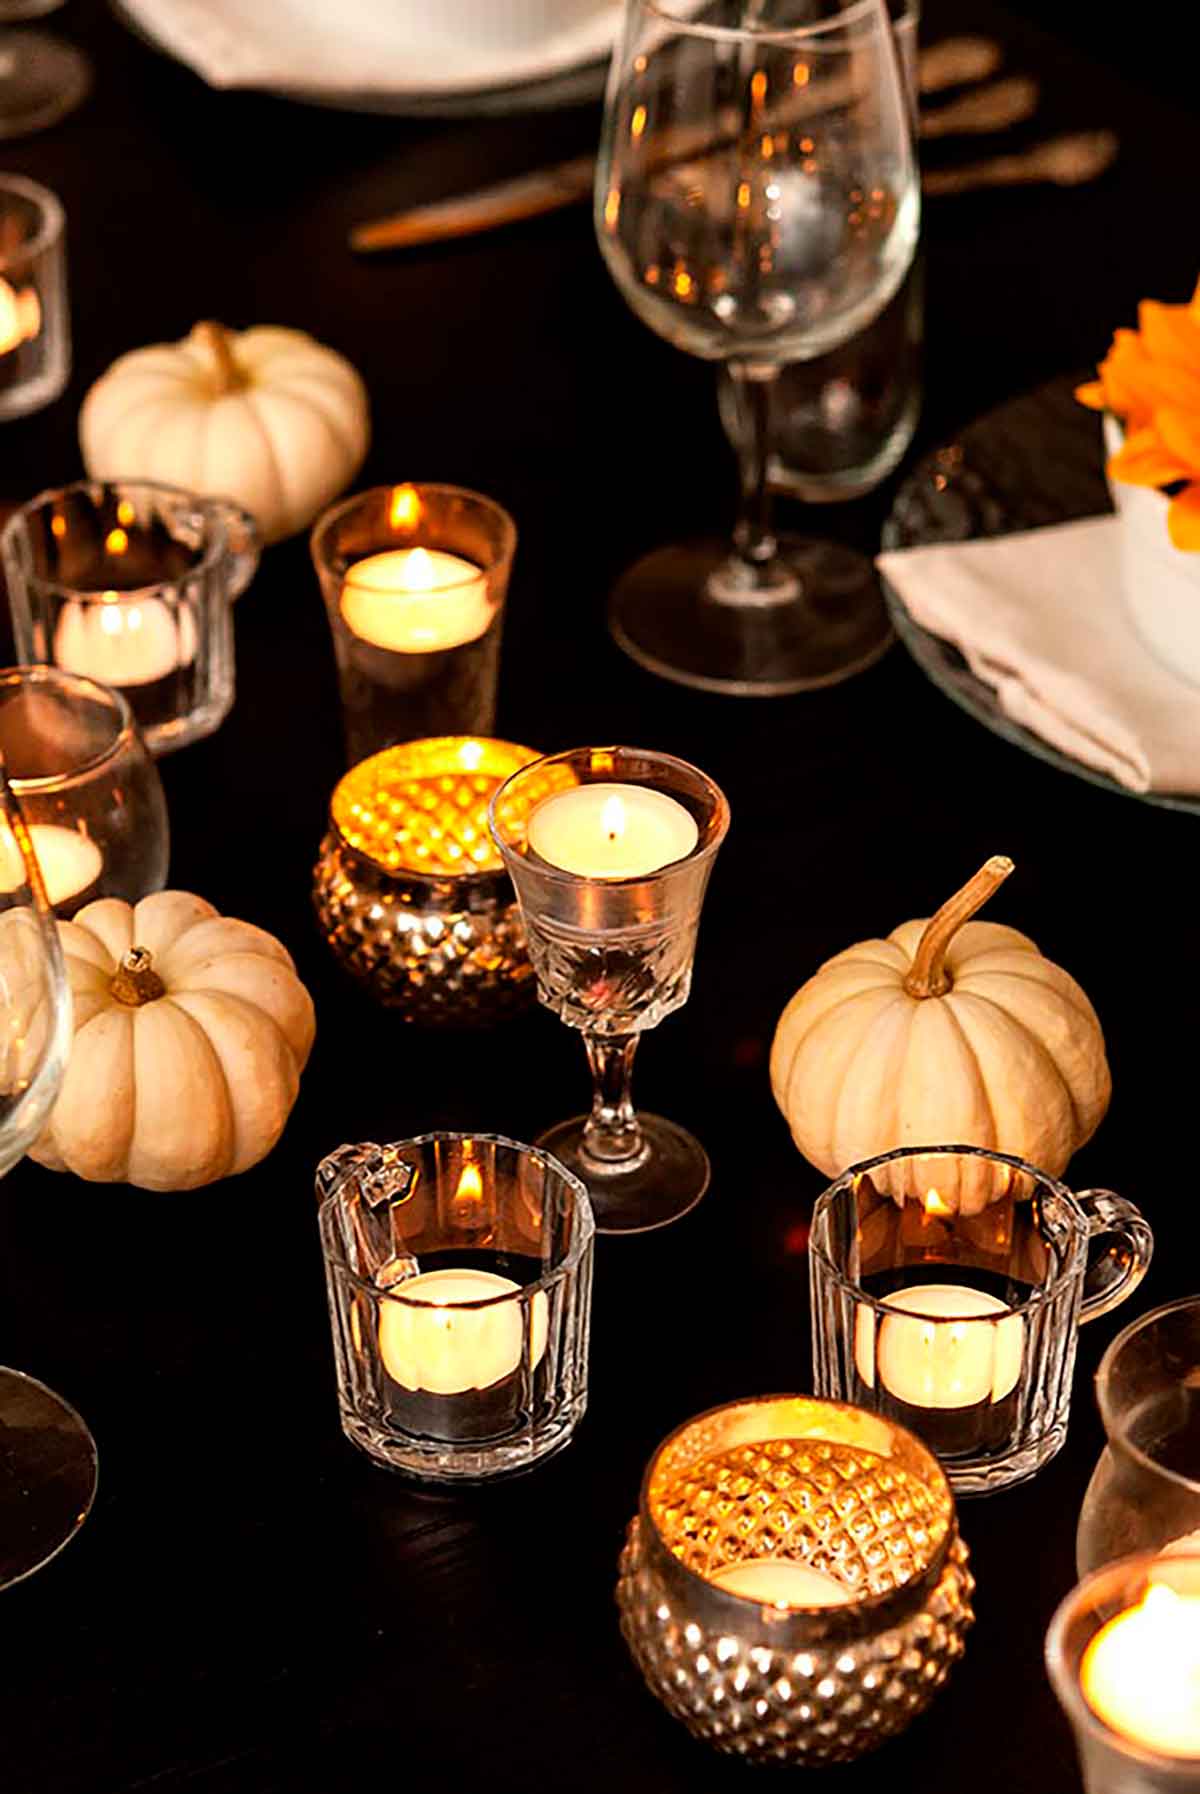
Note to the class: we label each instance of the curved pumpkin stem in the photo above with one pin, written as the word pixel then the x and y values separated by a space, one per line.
pixel 215 339
pixel 135 981
pixel 927 976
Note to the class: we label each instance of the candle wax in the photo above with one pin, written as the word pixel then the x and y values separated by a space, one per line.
pixel 607 830
pixel 941 1350
pixel 778 1582
pixel 70 861
pixel 416 600
pixel 124 639
pixel 427 1342
pixel 1141 1673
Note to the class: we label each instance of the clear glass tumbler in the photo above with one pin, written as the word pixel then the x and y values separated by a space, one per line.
pixel 35 323
pixel 610 850
pixel 414 580
pixel 90 792
pixel 961 1321
pixel 130 583
pixel 459 1271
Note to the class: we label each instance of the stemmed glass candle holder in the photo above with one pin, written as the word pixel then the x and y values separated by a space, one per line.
pixel 610 850
pixel 459 1270
pixel 948 1285
pixel 1123 1652
pixel 90 792
pixel 130 583
pixel 414 580
pixel 793 1587
pixel 35 324
pixel 410 890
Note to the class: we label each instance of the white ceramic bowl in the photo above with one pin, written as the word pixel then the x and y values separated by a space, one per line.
pixel 1161 584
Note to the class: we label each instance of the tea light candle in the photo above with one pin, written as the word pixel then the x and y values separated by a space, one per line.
pixel 941 1350
pixel 20 316
pixel 606 830
pixel 70 861
pixel 779 1582
pixel 427 1341
pixel 1141 1672
pixel 416 600
pixel 124 639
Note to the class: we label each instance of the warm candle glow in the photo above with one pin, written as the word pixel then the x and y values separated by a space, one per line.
pixel 116 542
pixel 124 638
pixel 416 600
pixel 1141 1672
pixel 427 1341
pixel 942 1349
pixel 404 511
pixel 422 806
pixel 779 1582
pixel 605 830
pixel 20 316
pixel 69 861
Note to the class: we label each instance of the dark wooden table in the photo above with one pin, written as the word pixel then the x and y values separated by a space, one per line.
pixel 252 1608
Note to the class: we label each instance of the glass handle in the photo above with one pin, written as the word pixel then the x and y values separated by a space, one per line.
pixel 245 545
pixel 1118 1266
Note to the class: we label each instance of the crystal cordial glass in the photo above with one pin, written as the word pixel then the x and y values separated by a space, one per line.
pixel 948 1286
pixel 610 850
pixel 130 582
pixel 90 792
pixel 793 1587
pixel 459 1271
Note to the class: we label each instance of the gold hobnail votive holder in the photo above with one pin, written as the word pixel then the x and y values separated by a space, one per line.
pixel 411 893
pixel 843 1493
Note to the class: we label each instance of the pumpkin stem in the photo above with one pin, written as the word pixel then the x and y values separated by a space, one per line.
pixel 135 981
pixel 927 976
pixel 215 339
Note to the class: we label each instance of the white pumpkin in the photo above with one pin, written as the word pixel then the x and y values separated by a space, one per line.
pixel 947 1032
pixel 191 1031
pixel 268 417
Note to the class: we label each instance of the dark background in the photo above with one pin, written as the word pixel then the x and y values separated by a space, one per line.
pixel 252 1608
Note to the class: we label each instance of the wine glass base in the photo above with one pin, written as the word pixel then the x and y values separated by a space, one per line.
pixel 834 625
pixel 47 1475
pixel 41 80
pixel 658 1187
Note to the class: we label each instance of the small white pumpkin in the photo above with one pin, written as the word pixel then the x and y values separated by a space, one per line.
pixel 191 1031
pixel 950 1032
pixel 268 417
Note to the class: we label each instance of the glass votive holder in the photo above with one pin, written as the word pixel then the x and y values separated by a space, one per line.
pixel 130 582
pixel 1145 1489
pixel 961 1321
pixel 1123 1655
pixel 410 890
pixel 794 1587
pixel 414 580
pixel 459 1272
pixel 35 326
pixel 89 791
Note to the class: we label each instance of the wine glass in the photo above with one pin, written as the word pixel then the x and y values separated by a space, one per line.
pixel 47 1455
pixel 757 203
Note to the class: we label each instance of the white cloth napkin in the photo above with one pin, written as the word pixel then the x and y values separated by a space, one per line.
pixel 1040 616
pixel 378 46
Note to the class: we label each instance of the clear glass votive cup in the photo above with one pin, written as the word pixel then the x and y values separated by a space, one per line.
pixel 611 920
pixel 89 791
pixel 1123 1656
pixel 459 1273
pixel 1145 1489
pixel 35 324
pixel 793 1586
pixel 130 582
pixel 948 1286
pixel 414 579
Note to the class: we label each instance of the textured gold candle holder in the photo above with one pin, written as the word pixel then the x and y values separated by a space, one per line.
pixel 846 1494
pixel 410 891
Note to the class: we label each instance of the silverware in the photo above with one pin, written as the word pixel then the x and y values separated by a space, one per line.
pixel 1062 161
pixel 991 108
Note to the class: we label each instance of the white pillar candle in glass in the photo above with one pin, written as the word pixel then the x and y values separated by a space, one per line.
pixel 607 830
pixel 779 1582
pixel 70 861
pixel 124 639
pixel 941 1349
pixel 428 1341
pixel 416 600
pixel 20 316
pixel 1141 1672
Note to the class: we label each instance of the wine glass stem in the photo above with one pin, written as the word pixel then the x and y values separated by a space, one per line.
pixel 611 1133
pixel 753 536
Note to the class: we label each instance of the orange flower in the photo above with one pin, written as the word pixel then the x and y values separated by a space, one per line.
pixel 1150 379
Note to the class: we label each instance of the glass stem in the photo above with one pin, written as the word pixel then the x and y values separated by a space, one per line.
pixel 753 536
pixel 611 1133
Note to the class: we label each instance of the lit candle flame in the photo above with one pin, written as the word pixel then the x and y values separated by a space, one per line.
pixel 405 511
pixel 418 571
pixel 470 754
pixel 20 316
pixel 470 1184
pixel 612 818
pixel 116 542
pixel 936 1204
pixel 125 512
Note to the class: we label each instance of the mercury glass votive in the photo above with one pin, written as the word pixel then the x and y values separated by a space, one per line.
pixel 414 579
pixel 35 326
pixel 794 1587
pixel 410 890
pixel 610 850
pixel 459 1272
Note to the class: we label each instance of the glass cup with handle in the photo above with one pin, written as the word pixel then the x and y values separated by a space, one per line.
pixel 757 203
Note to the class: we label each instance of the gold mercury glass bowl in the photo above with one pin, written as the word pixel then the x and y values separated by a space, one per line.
pixel 410 890
pixel 843 1492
